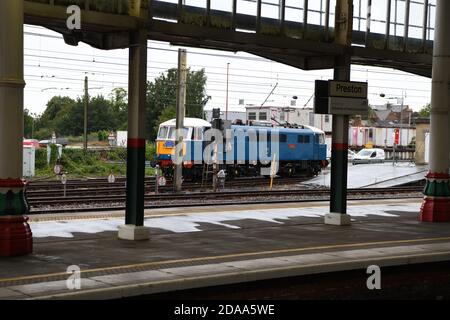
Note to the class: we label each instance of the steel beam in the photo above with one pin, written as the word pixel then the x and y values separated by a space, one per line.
pixel 388 24
pixel 368 20
pixel 305 18
pixel 282 16
pixel 258 15
pixel 424 26
pixel 327 20
pixel 406 25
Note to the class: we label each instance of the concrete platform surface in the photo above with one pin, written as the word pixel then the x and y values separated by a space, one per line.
pixel 382 175
pixel 197 247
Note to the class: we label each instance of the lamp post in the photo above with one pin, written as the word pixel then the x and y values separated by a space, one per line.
pixel 33 119
pixel 401 116
pixel 228 77
pixel 289 108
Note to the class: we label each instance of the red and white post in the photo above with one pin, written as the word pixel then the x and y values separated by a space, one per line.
pixel 15 233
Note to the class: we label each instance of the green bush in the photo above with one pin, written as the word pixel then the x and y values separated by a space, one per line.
pixel 93 163
pixel 150 151
pixel 41 158
pixel 103 135
pixel 43 134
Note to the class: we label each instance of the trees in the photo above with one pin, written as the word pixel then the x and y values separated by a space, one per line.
pixel 28 124
pixel 162 95
pixel 167 114
pixel 425 111
pixel 119 108
pixel 65 115
pixel 50 120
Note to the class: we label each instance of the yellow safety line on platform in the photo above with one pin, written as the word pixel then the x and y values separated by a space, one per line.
pixel 147 264
pixel 227 274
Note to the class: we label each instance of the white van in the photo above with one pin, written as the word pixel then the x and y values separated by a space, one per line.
pixel 369 156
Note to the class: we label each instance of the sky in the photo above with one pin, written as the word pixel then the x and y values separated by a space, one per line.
pixel 54 68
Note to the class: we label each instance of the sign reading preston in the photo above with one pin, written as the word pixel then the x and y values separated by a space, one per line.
pixel 348 89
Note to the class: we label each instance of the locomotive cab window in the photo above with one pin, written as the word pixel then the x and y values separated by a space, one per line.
pixel 320 139
pixel 187 133
pixel 162 134
pixel 283 138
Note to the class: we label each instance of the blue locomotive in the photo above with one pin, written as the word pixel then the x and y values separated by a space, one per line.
pixel 241 150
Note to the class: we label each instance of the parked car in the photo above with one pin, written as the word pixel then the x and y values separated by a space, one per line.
pixel 351 155
pixel 61 141
pixel 369 156
pixel 44 143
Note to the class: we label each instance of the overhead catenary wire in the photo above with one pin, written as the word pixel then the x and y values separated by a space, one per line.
pixel 110 68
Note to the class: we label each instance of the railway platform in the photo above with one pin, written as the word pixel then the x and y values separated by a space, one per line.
pixel 377 175
pixel 201 247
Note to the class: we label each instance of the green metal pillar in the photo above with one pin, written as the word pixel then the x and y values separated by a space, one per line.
pixel 339 152
pixel 134 222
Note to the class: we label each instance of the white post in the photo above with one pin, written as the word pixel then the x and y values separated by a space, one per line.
pixel 181 110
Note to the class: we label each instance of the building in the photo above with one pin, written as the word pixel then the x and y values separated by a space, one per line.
pixel 391 114
pixel 233 116
pixel 292 115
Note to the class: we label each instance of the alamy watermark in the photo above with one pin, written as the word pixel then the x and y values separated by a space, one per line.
pixel 374 280
pixel 230 147
pixel 73 22
pixel 74 280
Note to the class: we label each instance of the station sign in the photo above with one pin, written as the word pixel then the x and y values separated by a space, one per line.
pixel 340 97
pixel 346 106
pixel 347 89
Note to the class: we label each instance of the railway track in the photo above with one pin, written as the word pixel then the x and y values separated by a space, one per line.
pixel 83 203
pixel 102 187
